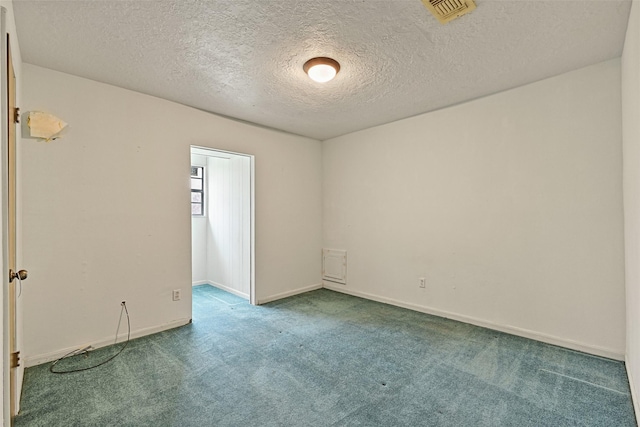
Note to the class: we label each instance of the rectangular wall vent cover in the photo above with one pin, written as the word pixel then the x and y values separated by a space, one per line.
pixel 448 10
pixel 334 265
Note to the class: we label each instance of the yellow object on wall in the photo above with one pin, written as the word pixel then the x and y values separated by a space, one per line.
pixel 44 125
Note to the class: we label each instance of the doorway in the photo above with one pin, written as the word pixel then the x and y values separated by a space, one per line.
pixel 222 221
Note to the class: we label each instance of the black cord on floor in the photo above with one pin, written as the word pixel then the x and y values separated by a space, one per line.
pixel 86 349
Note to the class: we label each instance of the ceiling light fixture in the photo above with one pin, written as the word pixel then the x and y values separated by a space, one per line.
pixel 322 69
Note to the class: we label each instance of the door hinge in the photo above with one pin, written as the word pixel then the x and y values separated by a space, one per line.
pixel 15 359
pixel 16 115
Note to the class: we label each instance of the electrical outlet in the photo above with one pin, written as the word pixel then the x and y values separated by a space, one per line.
pixel 422 282
pixel 176 294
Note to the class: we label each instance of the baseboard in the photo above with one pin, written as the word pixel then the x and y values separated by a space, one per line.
pixel 634 394
pixel 228 289
pixel 289 293
pixel 54 355
pixel 200 282
pixel 513 330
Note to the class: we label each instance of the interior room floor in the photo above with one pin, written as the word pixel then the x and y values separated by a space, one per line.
pixel 328 359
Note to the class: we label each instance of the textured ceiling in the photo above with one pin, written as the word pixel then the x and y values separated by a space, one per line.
pixel 243 58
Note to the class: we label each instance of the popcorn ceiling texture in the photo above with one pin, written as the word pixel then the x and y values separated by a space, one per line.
pixel 243 58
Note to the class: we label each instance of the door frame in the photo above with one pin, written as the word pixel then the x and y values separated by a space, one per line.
pixel 16 369
pixel 7 398
pixel 252 212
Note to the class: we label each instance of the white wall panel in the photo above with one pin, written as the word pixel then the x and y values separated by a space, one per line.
pixel 228 234
pixel 219 219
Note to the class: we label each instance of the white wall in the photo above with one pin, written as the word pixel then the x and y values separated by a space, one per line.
pixel 229 226
pixel 199 231
pixel 219 221
pixel 509 205
pixel 631 149
pixel 107 215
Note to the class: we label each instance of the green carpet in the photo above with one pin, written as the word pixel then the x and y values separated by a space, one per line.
pixel 327 359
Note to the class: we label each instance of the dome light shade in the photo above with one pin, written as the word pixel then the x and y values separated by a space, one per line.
pixel 321 70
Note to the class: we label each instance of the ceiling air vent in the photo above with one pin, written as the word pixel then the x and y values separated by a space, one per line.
pixel 448 10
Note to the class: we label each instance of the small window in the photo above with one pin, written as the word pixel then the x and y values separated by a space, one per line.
pixel 197 190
